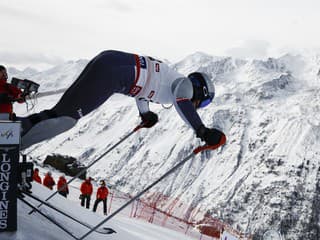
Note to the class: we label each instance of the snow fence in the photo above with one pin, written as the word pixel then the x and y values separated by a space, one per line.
pixel 174 214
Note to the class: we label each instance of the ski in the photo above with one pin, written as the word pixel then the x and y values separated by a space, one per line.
pixel 104 230
pixel 178 165
pixel 47 217
pixel 93 162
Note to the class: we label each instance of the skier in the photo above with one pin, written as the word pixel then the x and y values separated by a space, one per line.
pixel 86 192
pixel 62 186
pixel 36 176
pixel 102 194
pixel 144 78
pixel 48 181
pixel 8 94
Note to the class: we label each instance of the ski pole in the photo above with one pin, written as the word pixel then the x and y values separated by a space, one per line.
pixel 197 150
pixel 106 230
pixel 59 225
pixel 92 163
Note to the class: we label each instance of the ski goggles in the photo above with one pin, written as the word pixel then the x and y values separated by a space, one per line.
pixel 206 101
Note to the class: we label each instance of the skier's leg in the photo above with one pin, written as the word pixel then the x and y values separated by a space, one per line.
pixel 82 200
pixel 95 205
pixel 107 73
pixel 88 201
pixel 44 129
pixel 104 206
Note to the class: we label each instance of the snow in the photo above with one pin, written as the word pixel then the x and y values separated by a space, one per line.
pixel 36 227
pixel 270 112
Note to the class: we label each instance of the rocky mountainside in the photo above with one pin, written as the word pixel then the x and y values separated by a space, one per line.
pixel 266 176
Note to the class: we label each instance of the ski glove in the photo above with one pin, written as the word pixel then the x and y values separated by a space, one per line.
pixel 210 136
pixel 149 119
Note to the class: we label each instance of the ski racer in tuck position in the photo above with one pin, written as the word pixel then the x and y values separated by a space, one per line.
pixel 144 78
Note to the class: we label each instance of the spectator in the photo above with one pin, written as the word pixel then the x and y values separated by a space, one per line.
pixel 36 176
pixel 86 192
pixel 62 186
pixel 48 181
pixel 8 94
pixel 102 195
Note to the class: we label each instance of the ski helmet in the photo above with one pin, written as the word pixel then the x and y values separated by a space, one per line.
pixel 203 88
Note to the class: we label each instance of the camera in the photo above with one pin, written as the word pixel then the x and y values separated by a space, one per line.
pixel 28 86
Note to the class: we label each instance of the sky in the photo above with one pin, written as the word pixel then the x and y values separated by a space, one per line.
pixel 40 33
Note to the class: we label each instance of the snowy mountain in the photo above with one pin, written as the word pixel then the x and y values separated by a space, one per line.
pixel 267 176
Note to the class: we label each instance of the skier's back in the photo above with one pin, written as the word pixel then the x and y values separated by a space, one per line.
pixel 144 78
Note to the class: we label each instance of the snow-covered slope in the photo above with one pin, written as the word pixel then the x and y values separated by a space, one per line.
pixel 37 227
pixel 266 176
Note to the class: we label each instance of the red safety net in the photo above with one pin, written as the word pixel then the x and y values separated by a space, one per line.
pixel 174 214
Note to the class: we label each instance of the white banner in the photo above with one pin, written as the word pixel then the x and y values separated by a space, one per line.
pixel 9 160
pixel 9 133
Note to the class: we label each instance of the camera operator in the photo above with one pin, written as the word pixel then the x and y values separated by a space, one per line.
pixel 8 94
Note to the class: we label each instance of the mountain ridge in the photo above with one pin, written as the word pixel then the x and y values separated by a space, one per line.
pixel 266 176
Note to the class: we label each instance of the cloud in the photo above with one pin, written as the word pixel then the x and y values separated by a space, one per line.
pixel 28 59
pixel 252 49
pixel 19 13
pixel 11 11
pixel 117 5
pixel 120 6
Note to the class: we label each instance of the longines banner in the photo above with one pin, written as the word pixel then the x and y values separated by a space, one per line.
pixel 9 160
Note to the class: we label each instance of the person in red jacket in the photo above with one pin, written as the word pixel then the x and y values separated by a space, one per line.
pixel 102 195
pixel 36 176
pixel 62 186
pixel 8 94
pixel 86 192
pixel 48 181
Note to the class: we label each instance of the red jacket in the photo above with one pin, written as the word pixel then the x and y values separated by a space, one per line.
pixel 48 181
pixel 36 177
pixel 61 182
pixel 102 192
pixel 86 188
pixel 10 91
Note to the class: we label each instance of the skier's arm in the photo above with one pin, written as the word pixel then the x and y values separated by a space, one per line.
pixel 183 94
pixel 98 195
pixel 16 93
pixel 149 119
pixel 182 91
pixel 188 113
pixel 143 106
